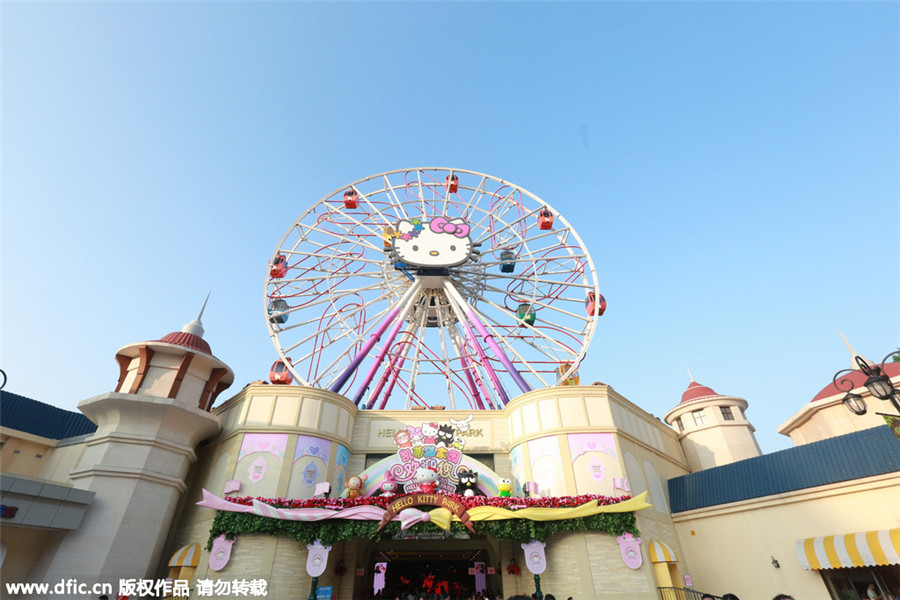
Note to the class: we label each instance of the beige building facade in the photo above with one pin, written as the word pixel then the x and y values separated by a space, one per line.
pixel 723 517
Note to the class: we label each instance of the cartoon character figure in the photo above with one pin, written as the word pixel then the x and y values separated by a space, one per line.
pixel 513 568
pixel 415 435
pixel 403 439
pixel 468 483
pixel 445 436
pixel 429 432
pixel 504 488
pixel 462 425
pixel 389 485
pixel 355 485
pixel 458 442
pixel 427 479
pixel 441 242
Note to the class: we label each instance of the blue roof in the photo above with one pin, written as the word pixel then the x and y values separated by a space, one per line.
pixel 860 454
pixel 24 414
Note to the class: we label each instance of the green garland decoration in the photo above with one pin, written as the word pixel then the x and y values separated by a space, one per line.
pixel 232 524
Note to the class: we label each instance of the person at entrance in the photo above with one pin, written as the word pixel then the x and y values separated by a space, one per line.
pixel 872 592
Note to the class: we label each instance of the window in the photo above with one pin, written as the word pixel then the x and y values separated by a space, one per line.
pixel 726 413
pixel 699 417
pixel 680 424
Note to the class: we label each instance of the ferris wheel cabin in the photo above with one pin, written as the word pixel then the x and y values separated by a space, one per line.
pixel 545 219
pixel 595 305
pixel 279 374
pixel 351 199
pixel 278 266
pixel 507 261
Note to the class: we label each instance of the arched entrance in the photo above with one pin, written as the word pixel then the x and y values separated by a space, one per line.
pixel 420 564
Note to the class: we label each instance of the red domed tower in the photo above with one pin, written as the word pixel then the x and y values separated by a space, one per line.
pixel 180 365
pixel 137 460
pixel 713 428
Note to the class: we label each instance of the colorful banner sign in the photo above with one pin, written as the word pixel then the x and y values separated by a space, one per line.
pixel 408 502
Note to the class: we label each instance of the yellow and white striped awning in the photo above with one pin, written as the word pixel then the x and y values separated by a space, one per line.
pixel 865 549
pixel 188 556
pixel 661 552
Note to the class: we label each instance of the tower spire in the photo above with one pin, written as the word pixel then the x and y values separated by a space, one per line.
pixel 689 374
pixel 853 353
pixel 195 326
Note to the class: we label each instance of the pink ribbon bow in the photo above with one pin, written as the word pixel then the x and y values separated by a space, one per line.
pixel 442 225
pixel 411 516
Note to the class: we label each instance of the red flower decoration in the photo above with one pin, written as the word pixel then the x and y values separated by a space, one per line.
pixel 512 503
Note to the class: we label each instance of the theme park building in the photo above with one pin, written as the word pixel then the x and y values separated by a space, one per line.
pixel 113 494
pixel 447 288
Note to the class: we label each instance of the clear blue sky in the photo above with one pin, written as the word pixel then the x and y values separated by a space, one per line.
pixel 732 168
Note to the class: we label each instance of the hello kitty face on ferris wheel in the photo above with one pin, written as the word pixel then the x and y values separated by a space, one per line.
pixel 440 242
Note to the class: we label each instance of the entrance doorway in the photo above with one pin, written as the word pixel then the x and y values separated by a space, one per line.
pixel 432 568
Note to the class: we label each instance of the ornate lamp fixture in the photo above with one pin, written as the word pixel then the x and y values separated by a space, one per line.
pixel 877 382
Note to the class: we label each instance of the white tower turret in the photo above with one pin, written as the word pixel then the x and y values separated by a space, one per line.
pixel 713 428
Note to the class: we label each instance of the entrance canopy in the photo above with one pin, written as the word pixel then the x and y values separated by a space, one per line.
pixel 864 549
pixel 661 552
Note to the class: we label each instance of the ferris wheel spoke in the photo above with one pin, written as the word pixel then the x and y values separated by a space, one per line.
pixel 482 357
pixel 328 298
pixel 471 315
pixel 385 348
pixel 472 377
pixel 348 230
pixel 422 200
pixel 521 322
pixel 476 191
pixel 490 213
pixel 318 331
pixel 510 224
pixel 414 370
pixel 372 208
pixel 348 331
pixel 394 367
pixel 492 276
pixel 329 315
pixel 502 339
pixel 560 234
pixel 399 211
pixel 445 318
pixel 533 301
pixel 393 314
pixel 335 274
pixel 342 256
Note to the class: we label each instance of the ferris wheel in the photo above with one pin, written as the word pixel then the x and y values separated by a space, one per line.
pixel 431 286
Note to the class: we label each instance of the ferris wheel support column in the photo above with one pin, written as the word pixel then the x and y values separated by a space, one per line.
pixel 393 364
pixel 455 299
pixel 466 365
pixel 395 312
pixel 470 314
pixel 371 374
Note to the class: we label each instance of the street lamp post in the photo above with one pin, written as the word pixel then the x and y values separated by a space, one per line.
pixel 877 382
